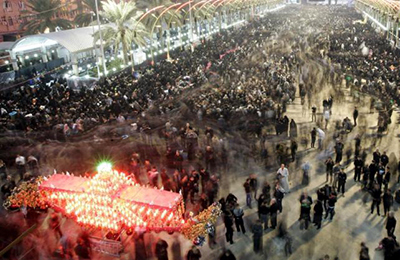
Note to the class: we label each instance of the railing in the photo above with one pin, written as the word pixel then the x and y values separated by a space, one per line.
pixel 384 16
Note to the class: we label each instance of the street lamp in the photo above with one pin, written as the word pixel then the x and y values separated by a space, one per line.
pixel 154 26
pixel 101 39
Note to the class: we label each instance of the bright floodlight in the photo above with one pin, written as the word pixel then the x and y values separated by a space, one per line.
pixel 104 167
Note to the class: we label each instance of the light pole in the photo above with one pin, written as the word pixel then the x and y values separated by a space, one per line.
pixel 154 26
pixel 134 29
pixel 191 26
pixel 95 48
pixel 101 40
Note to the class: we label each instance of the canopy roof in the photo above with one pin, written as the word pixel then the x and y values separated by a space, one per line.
pixel 74 40
pixel 6 45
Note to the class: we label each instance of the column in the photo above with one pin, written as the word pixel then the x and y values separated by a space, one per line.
pixel 14 61
pixel 74 62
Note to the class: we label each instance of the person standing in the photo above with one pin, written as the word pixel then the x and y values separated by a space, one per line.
pixel 228 221
pixel 342 178
pixel 273 210
pixel 279 193
pixel 257 236
pixel 376 198
pixel 387 201
pixel 357 145
pixel 305 210
pixel 318 211
pixel 306 167
pixel 355 116
pixel 377 156
pixel 238 215
pixel 336 171
pixel 339 150
pixel 314 114
pixel 390 224
pixel 384 159
pixel 247 190
pixel 327 115
pixel 358 164
pixel 373 168
pixel 313 137
pixel 254 185
pixel 264 214
pixel 329 169
pixel 331 206
pixel 283 174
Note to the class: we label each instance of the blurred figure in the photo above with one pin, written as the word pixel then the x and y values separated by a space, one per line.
pixel 257 236
pixel 162 250
pixel 227 255
pixel 193 254
pixel 364 252
pixel 390 224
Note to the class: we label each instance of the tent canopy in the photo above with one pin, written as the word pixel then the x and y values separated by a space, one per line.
pixel 74 40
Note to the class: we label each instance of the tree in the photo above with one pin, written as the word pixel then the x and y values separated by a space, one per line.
pixel 44 17
pixel 86 12
pixel 124 27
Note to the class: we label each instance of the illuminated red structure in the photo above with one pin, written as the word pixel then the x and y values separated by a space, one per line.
pixel 112 201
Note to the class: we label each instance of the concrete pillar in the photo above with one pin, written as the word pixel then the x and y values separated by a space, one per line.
pixel 44 54
pixel 74 62
pixel 14 61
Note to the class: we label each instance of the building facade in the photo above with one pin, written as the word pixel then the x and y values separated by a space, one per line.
pixel 13 13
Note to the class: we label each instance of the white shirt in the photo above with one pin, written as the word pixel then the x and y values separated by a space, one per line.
pixel 20 160
pixel 284 172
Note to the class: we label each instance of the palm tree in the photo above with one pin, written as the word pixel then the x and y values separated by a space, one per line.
pixel 86 12
pixel 44 14
pixel 124 27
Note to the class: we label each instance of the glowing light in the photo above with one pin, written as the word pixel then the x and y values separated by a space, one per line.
pixel 104 167
pixel 26 57
pixel 6 62
pixel 114 69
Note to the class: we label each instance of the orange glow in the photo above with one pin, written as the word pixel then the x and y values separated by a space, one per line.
pixel 112 201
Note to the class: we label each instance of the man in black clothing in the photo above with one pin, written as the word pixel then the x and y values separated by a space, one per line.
pixel 355 115
pixel 313 137
pixel 390 224
pixel 339 151
pixel 387 201
pixel 318 211
pixel 329 169
pixel 228 221
pixel 293 149
pixel 376 198
pixel 373 168
pixel 358 164
pixel 342 178
pixel 331 206
pixel 278 195
pixel 377 156
pixel 273 210
pixel 238 215
pixel 384 159
pixel 357 145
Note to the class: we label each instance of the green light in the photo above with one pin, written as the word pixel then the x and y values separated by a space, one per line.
pixel 104 167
